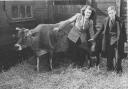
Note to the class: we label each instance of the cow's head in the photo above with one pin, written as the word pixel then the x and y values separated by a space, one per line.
pixel 22 38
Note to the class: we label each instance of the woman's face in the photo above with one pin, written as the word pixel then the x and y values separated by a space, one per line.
pixel 87 13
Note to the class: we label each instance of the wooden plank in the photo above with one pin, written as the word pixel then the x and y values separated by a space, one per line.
pixel 123 12
pixel 104 6
pixel 118 4
pixel 89 2
pixel 105 1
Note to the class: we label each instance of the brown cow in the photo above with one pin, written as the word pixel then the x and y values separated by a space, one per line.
pixel 44 40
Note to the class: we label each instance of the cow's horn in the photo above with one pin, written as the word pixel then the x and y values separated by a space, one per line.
pixel 17 28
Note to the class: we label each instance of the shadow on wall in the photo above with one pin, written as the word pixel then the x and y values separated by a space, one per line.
pixel 10 57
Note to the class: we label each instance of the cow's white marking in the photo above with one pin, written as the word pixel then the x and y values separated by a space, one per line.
pixel 19 46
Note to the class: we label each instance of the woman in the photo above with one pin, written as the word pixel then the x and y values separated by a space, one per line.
pixel 82 31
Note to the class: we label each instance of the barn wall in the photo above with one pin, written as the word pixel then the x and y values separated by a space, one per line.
pixel 66 9
pixel 8 25
pixel 3 19
pixel 63 12
pixel 46 11
pixel 40 10
pixel 101 8
pixel 124 13
pixel 5 30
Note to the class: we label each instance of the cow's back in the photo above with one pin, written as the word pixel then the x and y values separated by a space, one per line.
pixel 52 40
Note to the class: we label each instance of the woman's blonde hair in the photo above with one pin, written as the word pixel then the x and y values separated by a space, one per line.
pixel 90 8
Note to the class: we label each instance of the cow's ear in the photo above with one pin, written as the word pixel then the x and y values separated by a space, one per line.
pixel 18 29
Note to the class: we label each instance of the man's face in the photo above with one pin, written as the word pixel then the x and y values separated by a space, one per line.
pixel 87 13
pixel 111 14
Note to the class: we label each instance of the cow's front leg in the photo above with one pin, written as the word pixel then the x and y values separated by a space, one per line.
pixel 51 60
pixel 39 56
pixel 38 61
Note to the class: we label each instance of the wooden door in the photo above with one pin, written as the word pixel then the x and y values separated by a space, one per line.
pixel 101 8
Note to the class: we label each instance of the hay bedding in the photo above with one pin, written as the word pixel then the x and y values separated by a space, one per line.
pixel 23 76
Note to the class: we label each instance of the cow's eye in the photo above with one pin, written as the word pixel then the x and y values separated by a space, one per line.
pixel 25 37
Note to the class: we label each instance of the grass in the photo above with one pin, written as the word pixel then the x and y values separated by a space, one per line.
pixel 23 76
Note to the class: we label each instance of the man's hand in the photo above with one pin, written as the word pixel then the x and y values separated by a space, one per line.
pixel 91 40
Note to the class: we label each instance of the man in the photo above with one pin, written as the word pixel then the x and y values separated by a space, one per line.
pixel 114 37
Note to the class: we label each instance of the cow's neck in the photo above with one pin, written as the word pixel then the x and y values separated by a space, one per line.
pixel 29 41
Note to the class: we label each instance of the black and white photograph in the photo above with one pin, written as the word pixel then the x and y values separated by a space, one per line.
pixel 63 44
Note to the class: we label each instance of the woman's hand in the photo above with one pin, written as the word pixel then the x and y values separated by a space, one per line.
pixel 56 29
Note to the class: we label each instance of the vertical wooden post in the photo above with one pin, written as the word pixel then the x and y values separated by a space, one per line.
pixel 52 10
pixel 89 2
pixel 127 15
pixel 118 4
